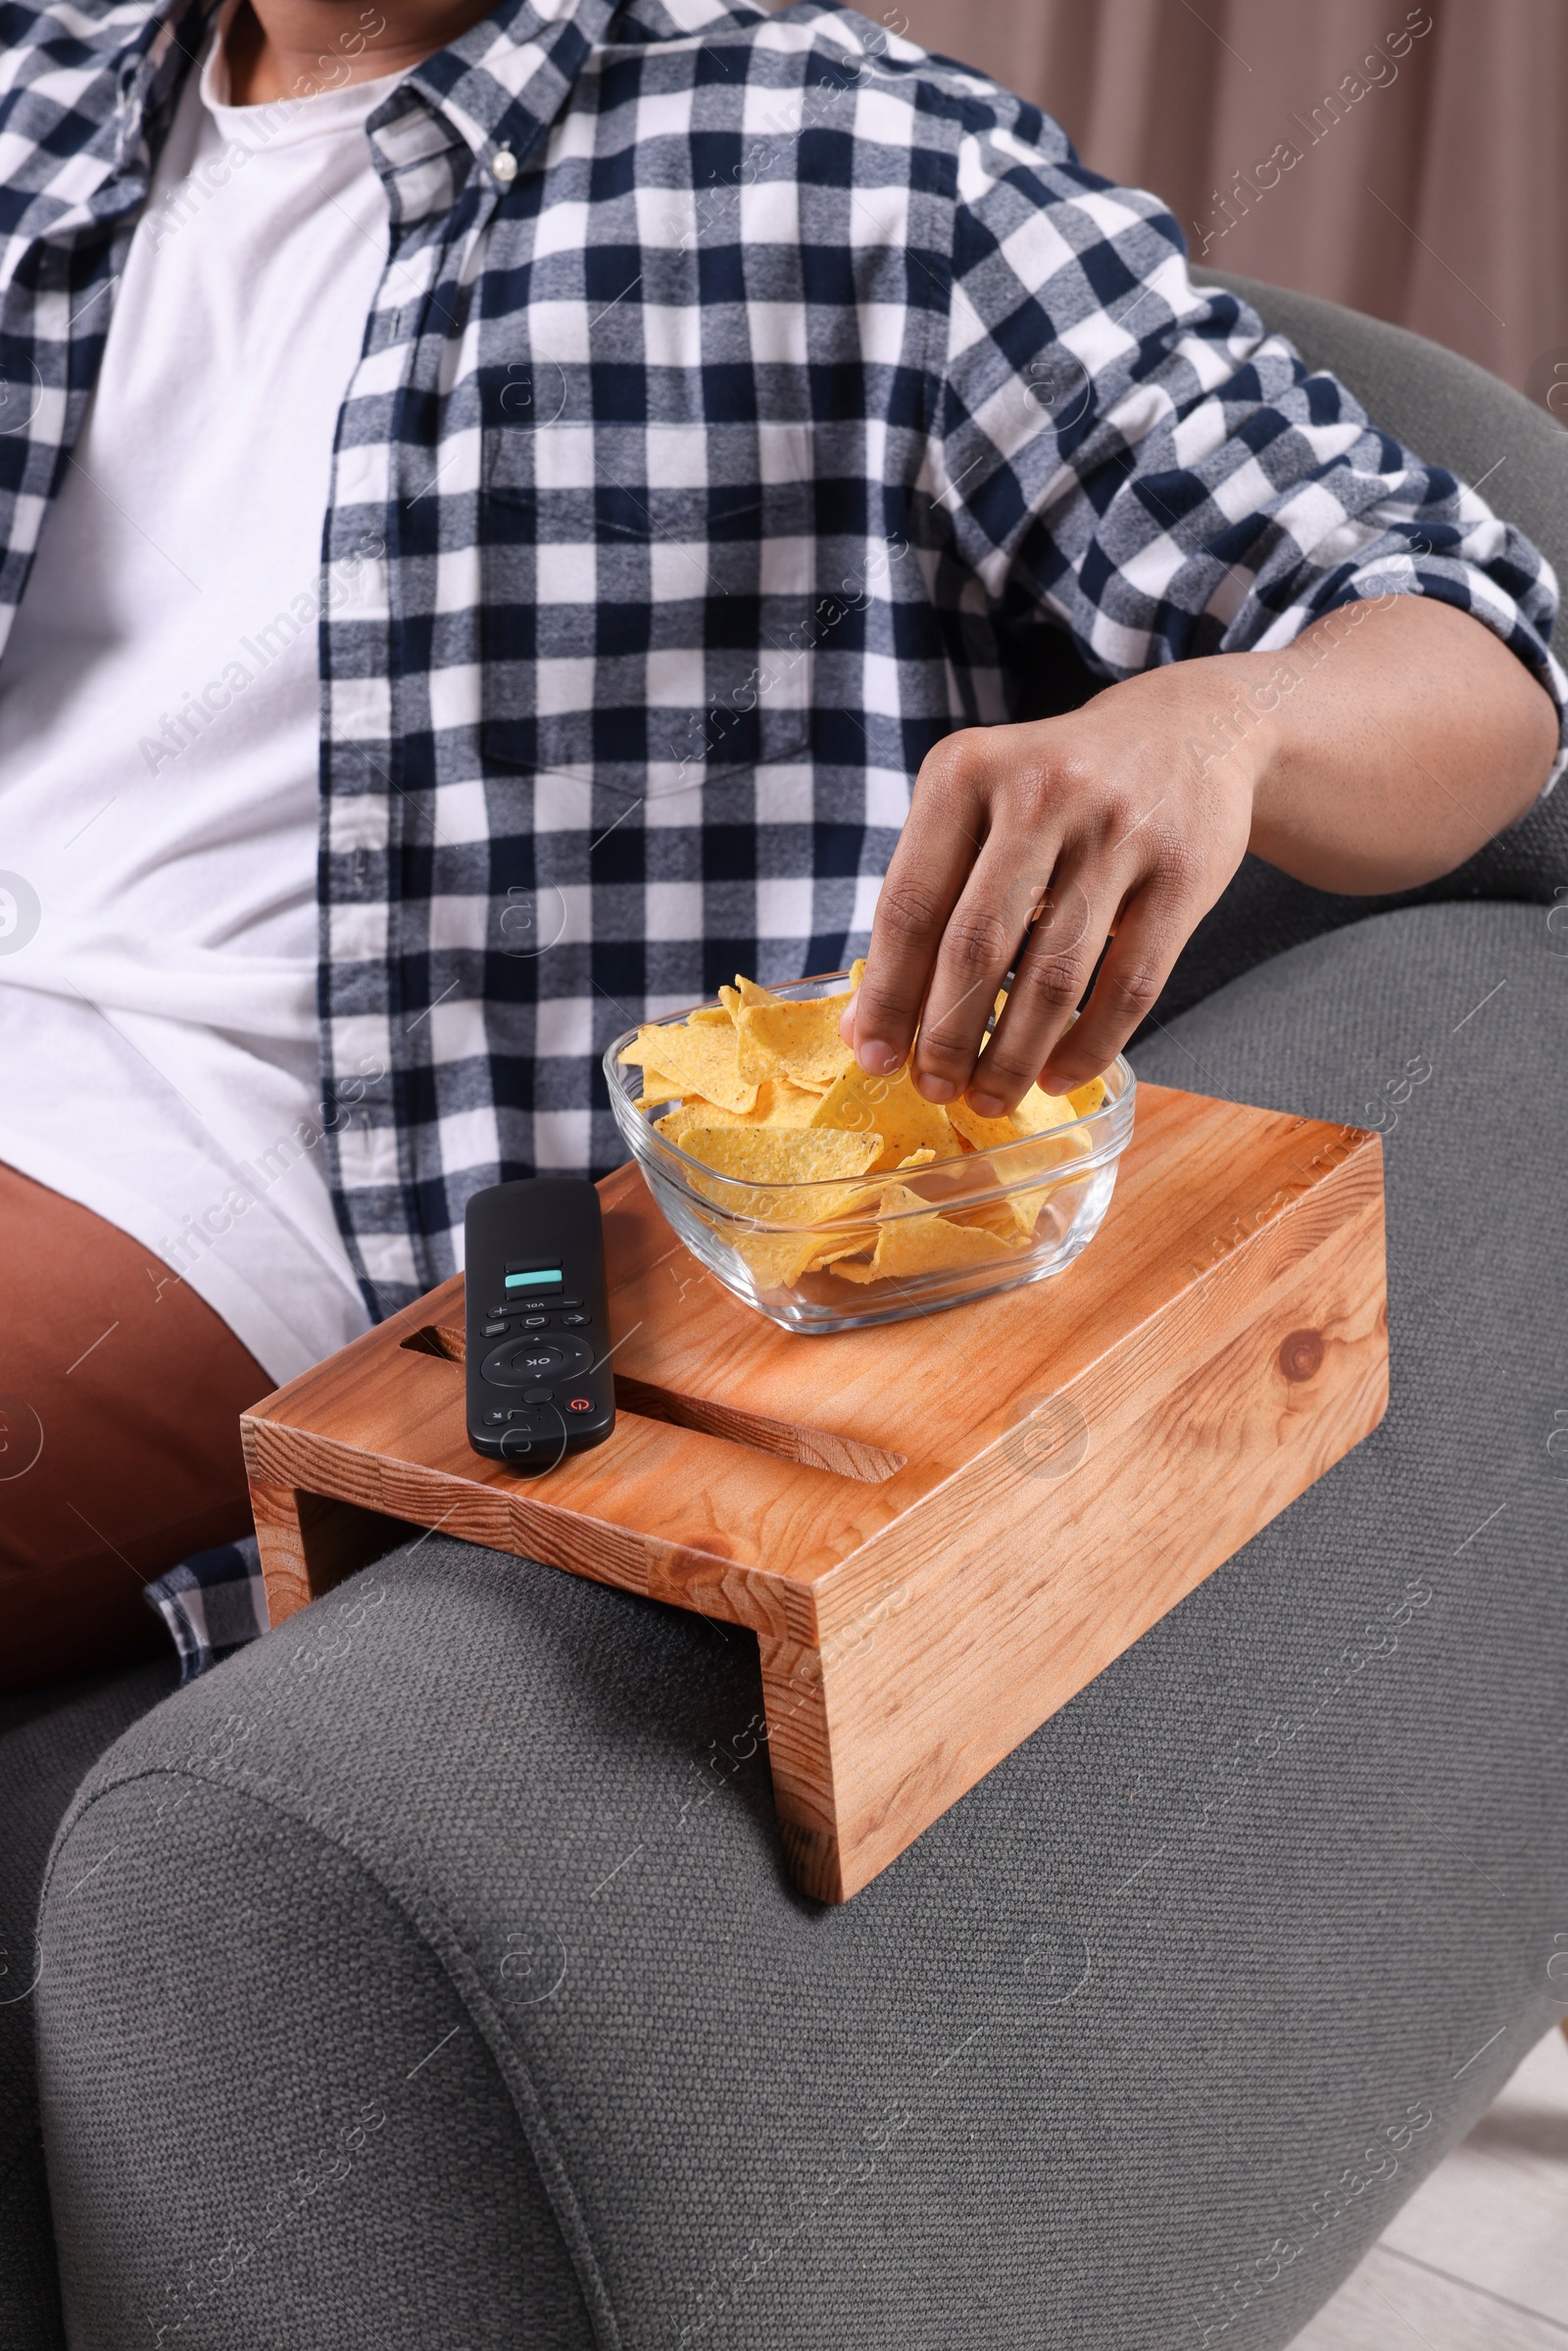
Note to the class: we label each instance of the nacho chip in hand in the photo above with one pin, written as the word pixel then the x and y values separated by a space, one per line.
pixel 891 1107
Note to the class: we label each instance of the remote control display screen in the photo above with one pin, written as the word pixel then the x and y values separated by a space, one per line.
pixel 546 1277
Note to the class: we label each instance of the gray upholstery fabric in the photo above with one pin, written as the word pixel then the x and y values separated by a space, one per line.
pixel 299 2137
pixel 1448 408
pixel 488 1851
pixel 47 1741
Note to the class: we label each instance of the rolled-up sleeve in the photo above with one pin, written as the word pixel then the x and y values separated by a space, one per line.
pixel 1163 475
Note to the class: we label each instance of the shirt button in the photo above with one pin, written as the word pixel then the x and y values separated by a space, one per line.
pixel 503 164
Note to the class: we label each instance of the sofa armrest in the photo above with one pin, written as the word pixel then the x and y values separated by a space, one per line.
pixel 428 1972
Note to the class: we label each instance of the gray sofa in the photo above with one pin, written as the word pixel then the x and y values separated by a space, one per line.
pixel 426 1974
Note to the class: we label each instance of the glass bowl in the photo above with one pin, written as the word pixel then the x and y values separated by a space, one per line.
pixel 1033 1205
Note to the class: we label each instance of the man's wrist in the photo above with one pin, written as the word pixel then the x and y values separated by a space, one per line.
pixel 1247 735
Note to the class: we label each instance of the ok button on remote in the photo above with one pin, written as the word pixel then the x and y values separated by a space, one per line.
pixel 527 1363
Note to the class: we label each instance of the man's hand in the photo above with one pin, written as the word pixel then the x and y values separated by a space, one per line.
pixel 1379 751
pixel 1057 834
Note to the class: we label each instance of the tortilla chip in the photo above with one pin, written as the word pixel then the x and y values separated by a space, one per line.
pixel 791 1169
pixel 933 1244
pixel 869 1198
pixel 751 992
pixel 1026 1207
pixel 777 1260
pixel 981 1134
pixel 830 1252
pixel 792 1105
pixel 856 975
pixel 851 1268
pixel 891 1107
pixel 695 1110
pixel 997 1216
pixel 798 1041
pixel 701 1061
pixel 922 1243
pixel 1088 1099
pixel 1036 1113
pixel 843 1238
pixel 711 1016
pixel 1050 1154
pixel 778 1105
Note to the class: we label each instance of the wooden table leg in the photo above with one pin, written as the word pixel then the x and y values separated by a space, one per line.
pixel 795 1692
pixel 308 1543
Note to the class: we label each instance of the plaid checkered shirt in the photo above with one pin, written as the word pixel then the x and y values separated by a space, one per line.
pixel 745 400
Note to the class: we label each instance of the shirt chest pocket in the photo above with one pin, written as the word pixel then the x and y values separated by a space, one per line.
pixel 648 605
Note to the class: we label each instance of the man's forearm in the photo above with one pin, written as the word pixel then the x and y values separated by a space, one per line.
pixel 1389 743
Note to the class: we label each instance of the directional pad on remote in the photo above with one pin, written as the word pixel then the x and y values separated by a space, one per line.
pixel 527 1362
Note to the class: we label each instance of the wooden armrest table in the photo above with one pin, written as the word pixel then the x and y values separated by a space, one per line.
pixel 938 1530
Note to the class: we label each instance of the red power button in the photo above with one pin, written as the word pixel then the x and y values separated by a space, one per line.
pixel 581 1404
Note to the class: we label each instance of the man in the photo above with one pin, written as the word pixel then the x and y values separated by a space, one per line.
pixel 593 462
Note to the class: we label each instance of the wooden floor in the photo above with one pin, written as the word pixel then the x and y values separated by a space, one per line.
pixel 1478 2259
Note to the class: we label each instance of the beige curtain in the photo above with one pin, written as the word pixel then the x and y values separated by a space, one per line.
pixel 1430 179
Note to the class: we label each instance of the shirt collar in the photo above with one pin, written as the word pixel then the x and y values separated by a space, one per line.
pixel 152 72
pixel 500 84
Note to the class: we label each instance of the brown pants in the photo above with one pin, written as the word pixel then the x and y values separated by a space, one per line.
pixel 120 1393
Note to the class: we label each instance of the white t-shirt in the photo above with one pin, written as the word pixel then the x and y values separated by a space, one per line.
pixel 159 728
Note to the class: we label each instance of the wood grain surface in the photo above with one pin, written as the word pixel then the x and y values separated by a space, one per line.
pixel 940 1529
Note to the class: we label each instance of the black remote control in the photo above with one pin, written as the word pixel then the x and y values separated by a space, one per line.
pixel 540 1384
